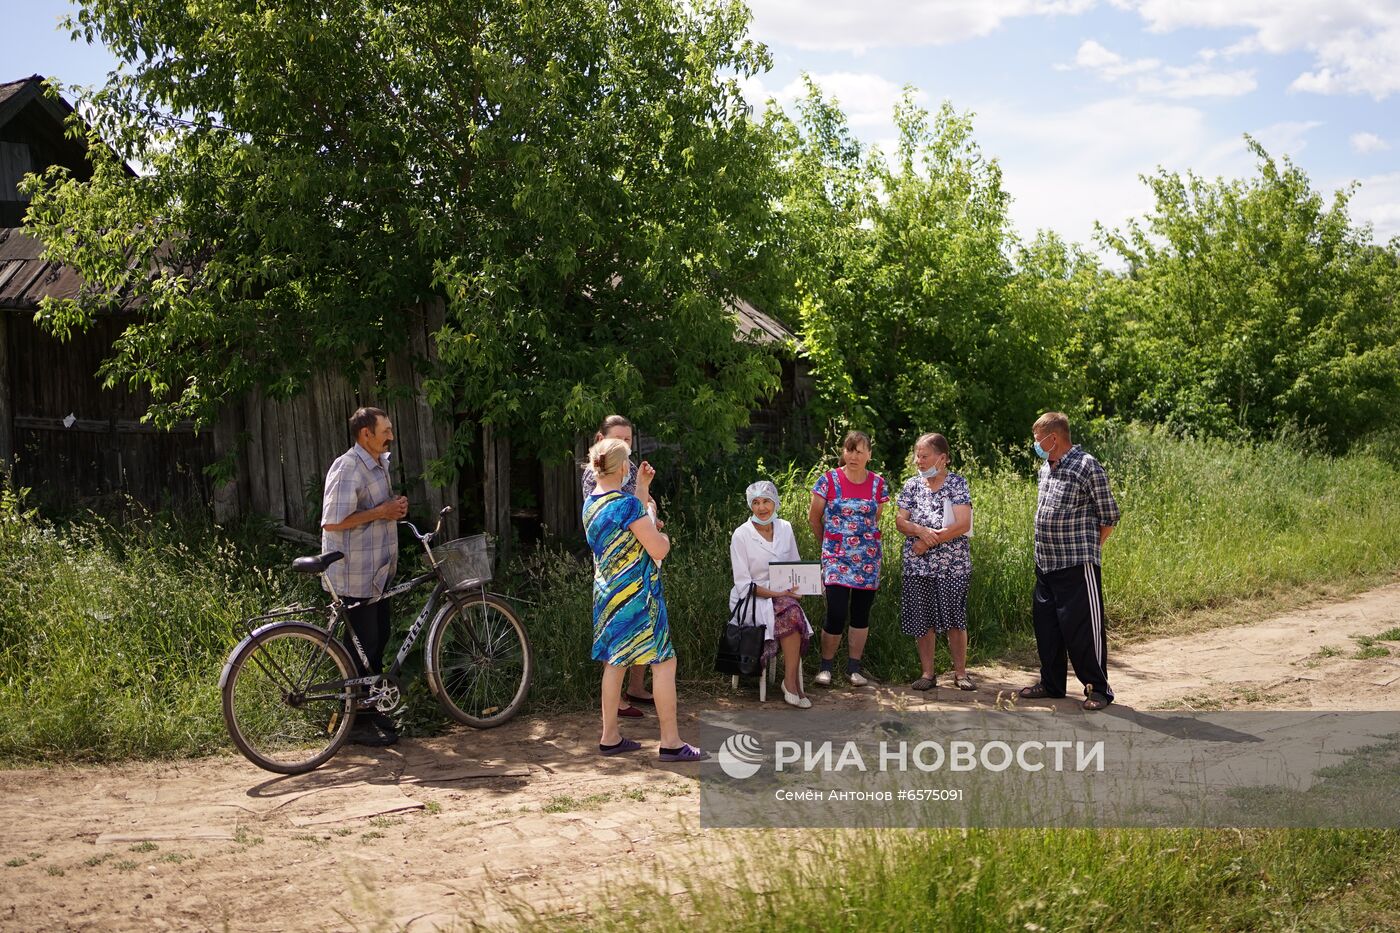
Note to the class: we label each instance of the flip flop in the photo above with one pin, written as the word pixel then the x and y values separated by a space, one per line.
pixel 686 753
pixel 626 745
pixel 645 701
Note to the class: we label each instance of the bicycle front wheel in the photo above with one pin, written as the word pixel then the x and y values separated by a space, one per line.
pixel 478 661
pixel 285 701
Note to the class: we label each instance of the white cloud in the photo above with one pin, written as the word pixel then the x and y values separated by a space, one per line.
pixel 866 99
pixel 1153 78
pixel 1110 64
pixel 858 27
pixel 1355 43
pixel 1377 202
pixel 1366 143
pixel 1198 81
pixel 1067 169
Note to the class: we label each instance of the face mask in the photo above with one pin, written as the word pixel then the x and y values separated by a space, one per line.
pixel 761 521
pixel 1040 451
pixel 931 471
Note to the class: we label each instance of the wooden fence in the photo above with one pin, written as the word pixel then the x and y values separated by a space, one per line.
pixel 282 449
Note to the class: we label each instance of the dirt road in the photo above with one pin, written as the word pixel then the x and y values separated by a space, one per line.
pixel 459 828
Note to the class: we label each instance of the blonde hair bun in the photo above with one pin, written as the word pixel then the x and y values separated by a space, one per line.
pixel 608 456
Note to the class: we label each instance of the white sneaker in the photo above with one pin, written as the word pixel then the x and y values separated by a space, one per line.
pixel 858 679
pixel 793 699
pixel 823 679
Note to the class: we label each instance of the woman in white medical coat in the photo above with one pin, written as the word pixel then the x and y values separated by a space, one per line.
pixel 756 543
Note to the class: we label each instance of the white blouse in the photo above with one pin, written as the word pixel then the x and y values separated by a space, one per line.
pixel 749 555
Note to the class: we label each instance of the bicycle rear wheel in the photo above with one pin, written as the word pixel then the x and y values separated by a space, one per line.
pixel 285 701
pixel 478 661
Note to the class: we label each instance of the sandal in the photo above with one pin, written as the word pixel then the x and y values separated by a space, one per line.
pixel 685 753
pixel 964 683
pixel 1037 692
pixel 1096 702
pixel 924 683
pixel 625 745
pixel 630 712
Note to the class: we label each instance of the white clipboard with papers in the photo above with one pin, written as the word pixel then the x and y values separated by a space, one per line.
pixel 806 575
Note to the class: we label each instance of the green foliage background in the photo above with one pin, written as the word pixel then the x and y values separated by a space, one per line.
pixel 587 189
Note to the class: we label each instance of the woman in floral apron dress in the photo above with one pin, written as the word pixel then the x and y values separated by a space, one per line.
pixel 845 518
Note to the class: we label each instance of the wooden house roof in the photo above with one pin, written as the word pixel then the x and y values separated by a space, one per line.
pixel 26 277
pixel 32 117
pixel 754 323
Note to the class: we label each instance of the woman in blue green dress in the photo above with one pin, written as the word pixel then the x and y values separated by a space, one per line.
pixel 629 609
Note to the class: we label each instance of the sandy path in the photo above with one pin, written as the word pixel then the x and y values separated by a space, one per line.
pixel 439 832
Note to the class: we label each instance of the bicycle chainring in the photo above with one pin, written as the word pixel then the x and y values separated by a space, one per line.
pixel 385 695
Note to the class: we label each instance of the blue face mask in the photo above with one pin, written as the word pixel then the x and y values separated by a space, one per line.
pixel 1040 451
pixel 761 521
pixel 932 471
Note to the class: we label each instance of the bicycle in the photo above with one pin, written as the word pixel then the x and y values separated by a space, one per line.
pixel 290 689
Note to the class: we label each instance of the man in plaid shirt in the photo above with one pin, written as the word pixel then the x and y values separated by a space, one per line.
pixel 1074 514
pixel 359 518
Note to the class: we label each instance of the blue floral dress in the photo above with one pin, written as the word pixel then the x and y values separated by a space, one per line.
pixel 629 610
pixel 851 545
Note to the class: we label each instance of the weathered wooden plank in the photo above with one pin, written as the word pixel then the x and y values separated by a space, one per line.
pixel 298 536
pixel 272 456
pixel 289 414
pixel 94 426
pixel 7 411
pixel 254 457
pixel 435 496
pixel 225 439
pixel 559 499
pixel 408 437
pixel 496 485
pixel 311 469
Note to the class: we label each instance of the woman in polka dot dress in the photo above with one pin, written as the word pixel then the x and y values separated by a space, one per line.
pixel 935 515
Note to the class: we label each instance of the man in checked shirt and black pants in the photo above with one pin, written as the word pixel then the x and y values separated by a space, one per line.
pixel 359 518
pixel 1074 514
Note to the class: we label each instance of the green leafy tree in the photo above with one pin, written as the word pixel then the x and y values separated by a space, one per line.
pixel 1251 307
pixel 910 303
pixel 582 183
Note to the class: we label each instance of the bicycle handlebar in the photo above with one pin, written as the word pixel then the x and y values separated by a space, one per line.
pixel 426 539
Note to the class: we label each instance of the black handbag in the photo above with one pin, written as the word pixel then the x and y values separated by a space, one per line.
pixel 740 648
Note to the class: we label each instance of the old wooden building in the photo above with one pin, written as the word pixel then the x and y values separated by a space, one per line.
pixel 72 440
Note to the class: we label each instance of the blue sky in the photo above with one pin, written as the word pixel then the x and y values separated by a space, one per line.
pixel 1075 98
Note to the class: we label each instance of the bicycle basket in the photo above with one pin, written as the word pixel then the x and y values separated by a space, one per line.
pixel 465 562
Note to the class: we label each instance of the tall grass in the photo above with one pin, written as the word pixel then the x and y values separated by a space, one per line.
pixel 112 637
pixel 1034 880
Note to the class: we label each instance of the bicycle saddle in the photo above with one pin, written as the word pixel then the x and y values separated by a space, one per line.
pixel 316 564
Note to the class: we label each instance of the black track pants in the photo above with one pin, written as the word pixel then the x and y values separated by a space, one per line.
pixel 1069 622
pixel 370 622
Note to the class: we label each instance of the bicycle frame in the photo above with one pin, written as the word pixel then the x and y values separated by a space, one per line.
pixel 338 618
